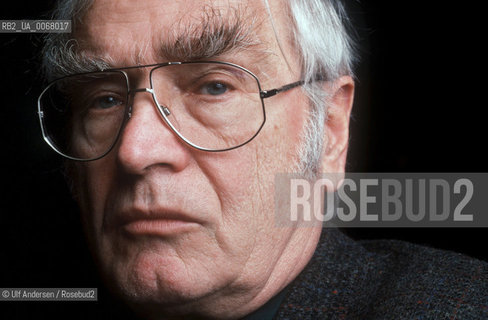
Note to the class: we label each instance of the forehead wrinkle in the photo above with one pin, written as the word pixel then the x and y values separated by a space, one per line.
pixel 214 33
pixel 229 33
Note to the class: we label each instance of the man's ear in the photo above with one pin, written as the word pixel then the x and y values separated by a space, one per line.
pixel 341 96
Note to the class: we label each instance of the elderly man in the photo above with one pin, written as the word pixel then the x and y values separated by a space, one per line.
pixel 176 116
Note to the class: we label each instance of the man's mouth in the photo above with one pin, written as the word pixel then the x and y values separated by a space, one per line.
pixel 159 222
pixel 158 227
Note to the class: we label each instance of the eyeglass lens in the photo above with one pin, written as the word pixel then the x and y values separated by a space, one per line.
pixel 212 106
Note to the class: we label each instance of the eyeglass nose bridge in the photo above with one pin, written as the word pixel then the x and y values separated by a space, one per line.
pixel 133 91
pixel 151 91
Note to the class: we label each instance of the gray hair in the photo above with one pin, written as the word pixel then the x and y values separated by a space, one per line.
pixel 319 32
pixel 59 53
pixel 320 35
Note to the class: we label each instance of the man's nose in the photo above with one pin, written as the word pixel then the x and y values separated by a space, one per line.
pixel 147 140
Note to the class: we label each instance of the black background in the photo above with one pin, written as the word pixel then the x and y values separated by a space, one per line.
pixel 420 106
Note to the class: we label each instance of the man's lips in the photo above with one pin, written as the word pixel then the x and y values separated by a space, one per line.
pixel 158 222
pixel 158 227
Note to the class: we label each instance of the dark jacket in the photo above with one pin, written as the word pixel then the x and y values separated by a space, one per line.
pixel 380 279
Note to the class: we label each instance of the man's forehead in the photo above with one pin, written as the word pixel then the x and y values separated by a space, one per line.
pixel 157 31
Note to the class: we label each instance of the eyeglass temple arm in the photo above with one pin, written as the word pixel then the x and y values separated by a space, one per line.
pixel 269 93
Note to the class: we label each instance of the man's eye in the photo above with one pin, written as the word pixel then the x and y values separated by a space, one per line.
pixel 214 88
pixel 107 102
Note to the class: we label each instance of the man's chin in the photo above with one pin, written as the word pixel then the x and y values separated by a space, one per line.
pixel 151 279
pixel 167 272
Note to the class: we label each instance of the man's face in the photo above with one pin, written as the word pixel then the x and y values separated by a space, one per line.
pixel 172 226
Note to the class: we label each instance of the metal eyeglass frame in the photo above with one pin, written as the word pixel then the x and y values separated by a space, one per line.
pixel 164 111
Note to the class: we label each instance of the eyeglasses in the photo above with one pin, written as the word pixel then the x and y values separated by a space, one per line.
pixel 210 105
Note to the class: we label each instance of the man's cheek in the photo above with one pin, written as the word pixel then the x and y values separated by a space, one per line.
pixel 92 186
pixel 232 177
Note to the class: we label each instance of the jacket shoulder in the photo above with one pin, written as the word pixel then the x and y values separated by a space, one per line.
pixel 426 283
pixel 386 279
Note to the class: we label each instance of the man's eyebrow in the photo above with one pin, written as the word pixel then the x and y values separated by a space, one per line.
pixel 64 58
pixel 211 35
